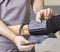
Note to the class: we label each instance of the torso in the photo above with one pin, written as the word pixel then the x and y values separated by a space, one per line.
pixel 15 12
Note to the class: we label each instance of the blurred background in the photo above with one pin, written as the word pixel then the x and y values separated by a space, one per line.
pixel 49 45
pixel 54 4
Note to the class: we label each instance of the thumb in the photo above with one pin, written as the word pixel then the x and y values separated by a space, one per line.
pixel 39 17
pixel 26 41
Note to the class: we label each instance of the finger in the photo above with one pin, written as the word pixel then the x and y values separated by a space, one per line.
pixel 45 12
pixel 46 18
pixel 26 48
pixel 49 12
pixel 52 13
pixel 26 41
pixel 38 17
pixel 23 40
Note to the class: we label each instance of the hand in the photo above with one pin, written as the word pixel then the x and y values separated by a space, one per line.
pixel 44 14
pixel 19 40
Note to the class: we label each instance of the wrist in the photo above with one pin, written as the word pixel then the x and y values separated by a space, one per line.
pixel 13 38
pixel 17 39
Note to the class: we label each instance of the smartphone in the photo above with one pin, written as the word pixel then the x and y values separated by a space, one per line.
pixel 30 43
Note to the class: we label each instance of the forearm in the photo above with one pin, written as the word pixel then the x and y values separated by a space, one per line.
pixel 5 31
pixel 53 25
pixel 15 29
pixel 38 5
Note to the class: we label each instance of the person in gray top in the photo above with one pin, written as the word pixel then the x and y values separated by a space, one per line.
pixel 12 14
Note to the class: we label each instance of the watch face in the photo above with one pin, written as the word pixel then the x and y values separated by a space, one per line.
pixel 36 25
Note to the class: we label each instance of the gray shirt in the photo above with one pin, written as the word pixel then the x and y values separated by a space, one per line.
pixel 13 12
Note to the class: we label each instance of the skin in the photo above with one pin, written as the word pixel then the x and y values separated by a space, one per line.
pixel 11 32
pixel 38 7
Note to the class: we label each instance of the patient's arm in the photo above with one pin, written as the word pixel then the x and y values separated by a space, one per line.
pixel 25 31
pixel 15 29
pixel 53 25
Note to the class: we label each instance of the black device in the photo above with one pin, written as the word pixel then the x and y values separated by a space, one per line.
pixel 36 28
pixel 30 43
pixel 52 25
pixel 46 27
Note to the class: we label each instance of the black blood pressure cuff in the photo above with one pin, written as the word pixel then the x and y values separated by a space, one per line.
pixel 46 27
pixel 53 24
pixel 36 28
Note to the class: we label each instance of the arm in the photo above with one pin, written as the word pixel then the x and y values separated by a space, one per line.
pixel 5 31
pixel 37 5
pixel 41 13
pixel 15 29
pixel 54 20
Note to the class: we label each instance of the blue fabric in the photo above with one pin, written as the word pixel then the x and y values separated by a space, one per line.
pixel 37 38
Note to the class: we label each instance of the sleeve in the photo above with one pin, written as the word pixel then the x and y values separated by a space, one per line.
pixel 53 24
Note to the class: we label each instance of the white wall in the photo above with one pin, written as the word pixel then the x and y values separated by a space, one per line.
pixel 52 2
